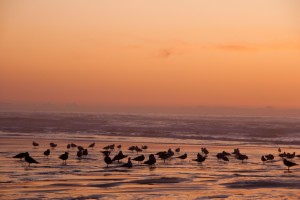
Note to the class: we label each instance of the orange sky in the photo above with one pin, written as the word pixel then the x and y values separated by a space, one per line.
pixel 151 53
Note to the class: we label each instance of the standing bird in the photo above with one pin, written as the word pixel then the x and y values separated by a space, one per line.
pixel 242 157
pixel 139 159
pixel 177 150
pixel 92 145
pixel 64 157
pixel 151 161
pixel 288 164
pixel 263 159
pixel 30 159
pixel 53 145
pixel 79 153
pixel 47 153
pixel 34 144
pixel 204 150
pixel 279 150
pixel 119 156
pixel 85 152
pixel 107 160
pixel 132 148
pixel 182 157
pixel 200 159
pixel 68 146
pixel 21 155
pixel 128 164
pixel 137 149
pixel 105 153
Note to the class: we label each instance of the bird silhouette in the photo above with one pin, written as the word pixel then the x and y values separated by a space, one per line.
pixel 64 157
pixel 182 157
pixel 85 152
pixel 107 160
pixel 151 161
pixel 30 159
pixel 47 153
pixel 139 158
pixel 68 146
pixel 92 145
pixel 79 153
pixel 21 155
pixel 53 145
pixel 119 156
pixel 263 159
pixel 73 145
pixel 200 159
pixel 288 163
pixel 145 147
pixel 128 164
pixel 177 150
pixel 34 144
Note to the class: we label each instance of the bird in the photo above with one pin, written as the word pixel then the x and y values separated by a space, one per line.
pixel 68 146
pixel 182 157
pixel 128 164
pixel 106 147
pixel 242 157
pixel 112 147
pixel 119 156
pixel 177 150
pixel 21 155
pixel 204 150
pixel 269 157
pixel 137 149
pixel 222 156
pixel 279 150
pixel 263 159
pixel 291 155
pixel 288 163
pixel 105 153
pixel 151 161
pixel 145 147
pixel 80 148
pixel 73 145
pixel 200 159
pixel 30 159
pixel 132 148
pixel 53 145
pixel 107 160
pixel 35 144
pixel 47 153
pixel 282 155
pixel 85 152
pixel 119 146
pixel 92 145
pixel 79 153
pixel 139 158
pixel 64 157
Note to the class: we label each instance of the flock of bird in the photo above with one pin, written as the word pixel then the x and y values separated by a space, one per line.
pixel 163 155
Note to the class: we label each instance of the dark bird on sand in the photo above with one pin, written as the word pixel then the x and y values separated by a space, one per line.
pixel 139 159
pixel 182 157
pixel 35 144
pixel 263 159
pixel 64 157
pixel 128 164
pixel 279 150
pixel 242 157
pixel 291 155
pixel 222 156
pixel 68 146
pixel 269 157
pixel 204 150
pixel 47 153
pixel 21 155
pixel 73 145
pixel 288 163
pixel 145 147
pixel 80 148
pixel 151 161
pixel 282 155
pixel 200 159
pixel 79 153
pixel 132 148
pixel 92 145
pixel 30 159
pixel 137 149
pixel 119 156
pixel 107 160
pixel 53 145
pixel 85 152
pixel 177 150
pixel 119 146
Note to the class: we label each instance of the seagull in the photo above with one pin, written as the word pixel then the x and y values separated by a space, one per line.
pixel 128 164
pixel 288 163
pixel 92 145
pixel 151 161
pixel 30 159
pixel 47 153
pixel 139 159
pixel 35 144
pixel 182 157
pixel 242 157
pixel 107 160
pixel 21 155
pixel 119 156
pixel 64 157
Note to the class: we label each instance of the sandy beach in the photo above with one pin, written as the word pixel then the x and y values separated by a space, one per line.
pixel 89 178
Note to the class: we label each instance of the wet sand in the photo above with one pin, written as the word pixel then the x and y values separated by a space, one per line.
pixel 88 178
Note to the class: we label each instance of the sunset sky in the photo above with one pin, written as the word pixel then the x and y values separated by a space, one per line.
pixel 137 53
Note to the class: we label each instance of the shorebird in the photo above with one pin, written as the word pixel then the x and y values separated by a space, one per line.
pixel 151 161
pixel 107 160
pixel 236 151
pixel 21 155
pixel 85 152
pixel 112 147
pixel 53 145
pixel 288 163
pixel 182 157
pixel 30 159
pixel 92 145
pixel 137 149
pixel 291 156
pixel 106 147
pixel 80 148
pixel 177 150
pixel 269 157
pixel 263 159
pixel 132 148
pixel 204 150
pixel 35 144
pixel 279 150
pixel 47 153
pixel 68 146
pixel 119 156
pixel 242 157
pixel 119 146
pixel 222 156
pixel 145 147
pixel 282 155
pixel 139 159
pixel 79 153
pixel 64 157
pixel 200 159
pixel 73 145
pixel 105 153
pixel 128 164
